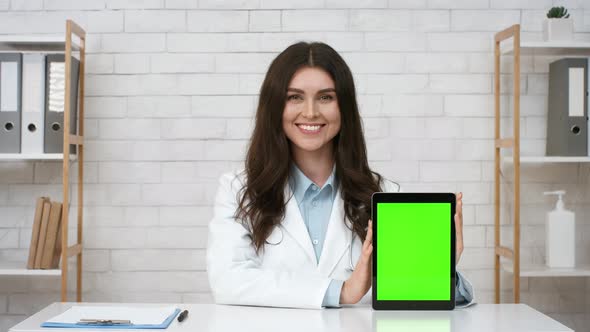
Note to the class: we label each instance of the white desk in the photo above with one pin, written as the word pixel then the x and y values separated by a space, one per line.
pixel 211 317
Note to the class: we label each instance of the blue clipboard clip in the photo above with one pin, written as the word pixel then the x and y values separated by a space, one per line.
pixel 86 321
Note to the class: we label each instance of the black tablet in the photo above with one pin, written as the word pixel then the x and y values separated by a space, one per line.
pixel 413 251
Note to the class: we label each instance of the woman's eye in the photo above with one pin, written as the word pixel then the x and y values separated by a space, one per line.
pixel 294 97
pixel 326 98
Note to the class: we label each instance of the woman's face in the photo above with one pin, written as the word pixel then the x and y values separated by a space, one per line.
pixel 311 117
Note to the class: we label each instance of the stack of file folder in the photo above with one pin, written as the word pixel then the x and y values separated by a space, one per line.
pixel 32 101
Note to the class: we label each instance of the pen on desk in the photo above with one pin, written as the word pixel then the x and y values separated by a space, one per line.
pixel 183 315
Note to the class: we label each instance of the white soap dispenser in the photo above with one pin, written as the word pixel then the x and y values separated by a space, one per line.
pixel 561 235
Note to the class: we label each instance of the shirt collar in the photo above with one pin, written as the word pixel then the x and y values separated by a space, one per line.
pixel 300 183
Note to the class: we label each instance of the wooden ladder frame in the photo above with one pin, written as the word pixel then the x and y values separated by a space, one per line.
pixel 75 250
pixel 514 143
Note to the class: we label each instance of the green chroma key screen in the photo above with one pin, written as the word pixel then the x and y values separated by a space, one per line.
pixel 413 251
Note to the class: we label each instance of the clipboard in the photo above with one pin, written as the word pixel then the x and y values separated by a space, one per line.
pixel 114 317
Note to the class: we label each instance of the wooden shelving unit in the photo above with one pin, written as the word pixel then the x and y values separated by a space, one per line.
pixel 73 41
pixel 515 47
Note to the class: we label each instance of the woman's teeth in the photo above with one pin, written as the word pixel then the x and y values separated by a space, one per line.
pixel 310 128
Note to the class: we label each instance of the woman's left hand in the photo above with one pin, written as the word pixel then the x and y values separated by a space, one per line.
pixel 459 228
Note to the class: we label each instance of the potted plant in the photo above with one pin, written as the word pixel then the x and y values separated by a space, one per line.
pixel 558 25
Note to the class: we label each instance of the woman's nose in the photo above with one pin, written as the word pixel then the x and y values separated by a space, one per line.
pixel 309 110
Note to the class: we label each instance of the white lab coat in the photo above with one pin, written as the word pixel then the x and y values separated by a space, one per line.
pixel 285 274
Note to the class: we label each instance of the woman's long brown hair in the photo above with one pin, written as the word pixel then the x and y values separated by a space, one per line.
pixel 262 199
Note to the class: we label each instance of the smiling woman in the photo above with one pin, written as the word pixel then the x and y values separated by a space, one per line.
pixel 292 229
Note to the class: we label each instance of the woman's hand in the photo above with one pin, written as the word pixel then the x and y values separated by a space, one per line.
pixel 459 228
pixel 359 282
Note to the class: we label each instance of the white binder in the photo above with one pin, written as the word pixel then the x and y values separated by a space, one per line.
pixel 33 104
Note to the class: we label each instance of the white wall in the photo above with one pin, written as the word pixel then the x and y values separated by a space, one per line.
pixel 171 88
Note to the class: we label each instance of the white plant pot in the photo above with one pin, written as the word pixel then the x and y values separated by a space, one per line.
pixel 558 29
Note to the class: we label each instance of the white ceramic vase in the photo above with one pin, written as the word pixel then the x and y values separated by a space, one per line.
pixel 558 29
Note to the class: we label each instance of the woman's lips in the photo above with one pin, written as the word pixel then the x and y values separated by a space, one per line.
pixel 310 128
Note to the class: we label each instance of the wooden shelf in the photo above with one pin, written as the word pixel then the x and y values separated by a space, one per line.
pixel 545 271
pixel 73 40
pixel 571 47
pixel 24 43
pixel 20 269
pixel 546 159
pixel 508 42
pixel 34 156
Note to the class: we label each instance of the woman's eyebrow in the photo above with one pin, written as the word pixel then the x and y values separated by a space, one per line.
pixel 320 91
pixel 327 90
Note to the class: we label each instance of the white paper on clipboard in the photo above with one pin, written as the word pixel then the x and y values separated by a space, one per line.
pixel 137 315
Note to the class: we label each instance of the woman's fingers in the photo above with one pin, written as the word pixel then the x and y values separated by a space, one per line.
pixel 459 239
pixel 459 214
pixel 369 237
pixel 368 243
pixel 460 204
pixel 459 227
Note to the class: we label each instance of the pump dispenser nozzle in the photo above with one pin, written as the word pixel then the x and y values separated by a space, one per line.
pixel 560 194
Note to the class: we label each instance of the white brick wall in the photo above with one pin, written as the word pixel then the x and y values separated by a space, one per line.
pixel 171 91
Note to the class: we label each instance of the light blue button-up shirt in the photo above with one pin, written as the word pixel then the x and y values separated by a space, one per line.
pixel 315 205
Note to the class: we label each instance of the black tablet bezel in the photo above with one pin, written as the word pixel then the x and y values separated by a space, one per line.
pixel 381 197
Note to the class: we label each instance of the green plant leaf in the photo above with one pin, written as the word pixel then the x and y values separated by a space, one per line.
pixel 557 12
